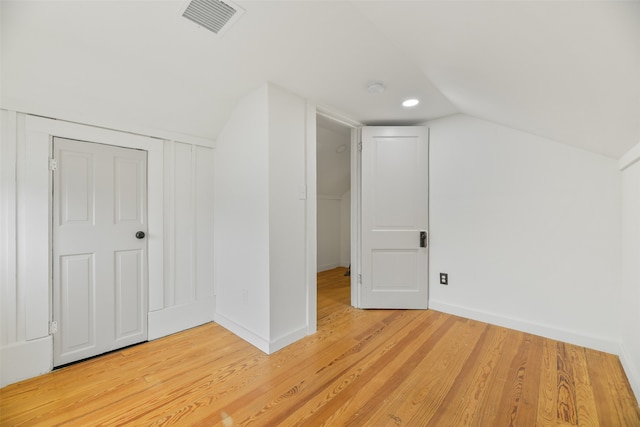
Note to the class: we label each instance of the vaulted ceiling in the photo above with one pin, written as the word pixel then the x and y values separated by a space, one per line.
pixel 566 70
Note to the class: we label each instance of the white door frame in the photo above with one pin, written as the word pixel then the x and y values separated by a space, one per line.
pixel 355 209
pixel 35 213
pixel 356 215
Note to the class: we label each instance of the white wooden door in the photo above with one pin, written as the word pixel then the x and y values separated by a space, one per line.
pixel 394 195
pixel 99 264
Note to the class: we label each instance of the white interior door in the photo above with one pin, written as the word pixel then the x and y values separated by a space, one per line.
pixel 99 263
pixel 394 191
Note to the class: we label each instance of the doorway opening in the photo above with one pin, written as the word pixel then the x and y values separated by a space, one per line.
pixel 333 189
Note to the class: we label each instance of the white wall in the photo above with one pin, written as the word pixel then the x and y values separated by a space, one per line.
pixel 260 219
pixel 334 231
pixel 26 347
pixel 241 220
pixel 329 232
pixel 287 217
pixel 333 158
pixel 629 303
pixel 528 230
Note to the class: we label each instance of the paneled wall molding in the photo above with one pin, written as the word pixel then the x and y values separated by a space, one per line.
pixel 167 298
pixel 8 247
pixel 188 296
pixel 26 348
pixel 121 127
pixel 27 145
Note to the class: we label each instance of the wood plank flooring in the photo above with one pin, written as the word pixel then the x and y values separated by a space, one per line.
pixel 362 368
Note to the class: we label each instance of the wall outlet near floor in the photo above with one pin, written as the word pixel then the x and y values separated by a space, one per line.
pixel 444 278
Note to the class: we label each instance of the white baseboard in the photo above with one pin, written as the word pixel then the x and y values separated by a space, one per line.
pixel 179 318
pixel 632 371
pixel 244 333
pixel 328 267
pixel 287 339
pixel 27 359
pixel 570 337
pixel 257 341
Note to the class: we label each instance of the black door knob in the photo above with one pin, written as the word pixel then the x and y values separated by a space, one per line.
pixel 140 235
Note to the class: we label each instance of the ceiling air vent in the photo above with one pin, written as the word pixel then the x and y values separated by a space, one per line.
pixel 214 15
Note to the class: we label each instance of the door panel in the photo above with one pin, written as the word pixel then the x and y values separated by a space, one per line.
pixel 99 266
pixel 394 187
pixel 77 291
pixel 76 188
pixel 401 278
pixel 128 296
pixel 128 180
pixel 394 212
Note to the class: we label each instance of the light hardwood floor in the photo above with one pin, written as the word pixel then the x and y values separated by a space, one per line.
pixel 362 368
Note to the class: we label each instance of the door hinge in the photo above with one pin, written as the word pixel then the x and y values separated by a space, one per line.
pixel 360 279
pixel 53 164
pixel 360 146
pixel 53 327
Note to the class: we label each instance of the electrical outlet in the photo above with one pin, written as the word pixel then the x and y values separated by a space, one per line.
pixel 444 278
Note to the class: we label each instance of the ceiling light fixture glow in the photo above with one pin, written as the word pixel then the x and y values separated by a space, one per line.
pixel 410 102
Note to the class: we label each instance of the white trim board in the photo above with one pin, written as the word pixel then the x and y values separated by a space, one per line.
pixel 528 327
pixel 266 346
pixel 26 359
pixel 244 333
pixel 356 215
pixel 130 128
pixel 283 341
pixel 311 220
pixel 180 318
pixel 8 218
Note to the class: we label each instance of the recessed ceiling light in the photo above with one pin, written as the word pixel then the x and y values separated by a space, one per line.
pixel 375 87
pixel 410 102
